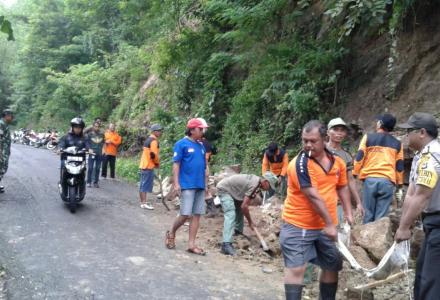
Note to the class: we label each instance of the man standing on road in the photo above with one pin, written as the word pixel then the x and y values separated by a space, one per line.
pixel 149 162
pixel 5 143
pixel 276 161
pixel 235 193
pixel 95 139
pixel 112 142
pixel 189 171
pixel 337 132
pixel 423 196
pixel 316 180
pixel 379 163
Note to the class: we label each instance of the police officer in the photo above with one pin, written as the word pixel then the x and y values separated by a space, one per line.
pixel 5 143
pixel 423 196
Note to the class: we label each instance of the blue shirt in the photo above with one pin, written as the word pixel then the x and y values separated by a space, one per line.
pixel 191 156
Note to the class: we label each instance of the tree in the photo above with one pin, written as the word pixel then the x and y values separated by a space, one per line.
pixel 5 27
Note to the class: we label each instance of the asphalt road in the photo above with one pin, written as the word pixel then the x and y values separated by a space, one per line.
pixel 109 249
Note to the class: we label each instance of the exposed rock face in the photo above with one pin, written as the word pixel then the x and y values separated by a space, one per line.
pixel 376 237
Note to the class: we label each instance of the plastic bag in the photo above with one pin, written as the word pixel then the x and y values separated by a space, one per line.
pixel 394 259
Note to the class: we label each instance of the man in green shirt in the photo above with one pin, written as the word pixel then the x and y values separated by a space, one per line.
pixel 337 132
pixel 95 140
pixel 5 143
pixel 235 193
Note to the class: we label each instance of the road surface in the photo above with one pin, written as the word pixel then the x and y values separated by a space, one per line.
pixel 109 249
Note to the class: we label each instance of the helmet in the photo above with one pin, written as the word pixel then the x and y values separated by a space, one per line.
pixel 7 112
pixel 156 127
pixel 78 121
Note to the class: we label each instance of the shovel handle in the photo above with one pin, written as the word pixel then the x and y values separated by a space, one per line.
pixel 262 241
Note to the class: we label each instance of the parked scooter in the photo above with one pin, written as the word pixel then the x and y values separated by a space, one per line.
pixel 72 186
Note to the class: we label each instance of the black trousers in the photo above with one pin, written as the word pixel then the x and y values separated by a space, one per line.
pixel 108 159
pixel 427 280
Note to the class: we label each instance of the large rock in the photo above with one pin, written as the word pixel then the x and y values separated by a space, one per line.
pixel 362 257
pixel 376 237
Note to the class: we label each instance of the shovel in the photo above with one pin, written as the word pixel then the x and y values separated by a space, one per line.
pixel 161 193
pixel 262 241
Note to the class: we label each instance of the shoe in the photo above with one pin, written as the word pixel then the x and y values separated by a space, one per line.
pixel 89 185
pixel 148 206
pixel 228 249
pixel 96 185
pixel 102 177
pixel 2 189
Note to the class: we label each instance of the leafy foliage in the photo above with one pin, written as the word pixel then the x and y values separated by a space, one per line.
pixel 256 70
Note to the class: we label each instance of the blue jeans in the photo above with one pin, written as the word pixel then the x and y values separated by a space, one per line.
pixel 94 166
pixel 377 194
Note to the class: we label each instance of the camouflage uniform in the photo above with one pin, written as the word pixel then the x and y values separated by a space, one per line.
pixel 5 147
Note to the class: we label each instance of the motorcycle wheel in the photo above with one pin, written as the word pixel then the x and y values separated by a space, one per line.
pixel 50 146
pixel 72 199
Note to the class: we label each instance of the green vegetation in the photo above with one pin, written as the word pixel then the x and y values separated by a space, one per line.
pixel 256 70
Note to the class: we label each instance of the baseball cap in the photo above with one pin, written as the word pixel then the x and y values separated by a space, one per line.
pixel 420 120
pixel 195 123
pixel 336 122
pixel 203 122
pixel 156 127
pixel 272 179
pixel 388 121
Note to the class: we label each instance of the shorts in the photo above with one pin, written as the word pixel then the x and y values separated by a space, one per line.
pixel 300 246
pixel 147 179
pixel 192 202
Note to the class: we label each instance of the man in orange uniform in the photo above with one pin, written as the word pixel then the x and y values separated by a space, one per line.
pixel 276 161
pixel 149 162
pixel 379 164
pixel 112 142
pixel 316 180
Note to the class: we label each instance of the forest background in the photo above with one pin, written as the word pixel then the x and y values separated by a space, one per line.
pixel 256 70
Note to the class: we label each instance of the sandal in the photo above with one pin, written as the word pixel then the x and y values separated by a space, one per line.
pixel 169 241
pixel 196 250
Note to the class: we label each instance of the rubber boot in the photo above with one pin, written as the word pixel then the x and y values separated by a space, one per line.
pixel 327 291
pixel 293 291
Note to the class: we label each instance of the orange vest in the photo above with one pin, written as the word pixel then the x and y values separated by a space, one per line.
pixel 380 155
pixel 277 164
pixel 150 154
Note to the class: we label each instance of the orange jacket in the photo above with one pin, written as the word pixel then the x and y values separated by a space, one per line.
pixel 150 154
pixel 276 164
pixel 380 155
pixel 112 142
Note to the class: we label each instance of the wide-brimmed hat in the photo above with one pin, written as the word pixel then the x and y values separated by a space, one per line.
pixel 272 179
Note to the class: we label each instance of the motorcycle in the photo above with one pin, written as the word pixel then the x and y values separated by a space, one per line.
pixel 72 185
pixel 43 139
